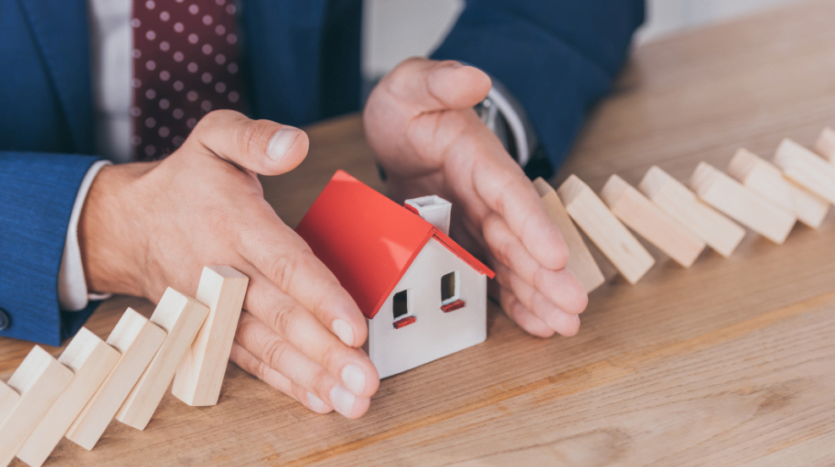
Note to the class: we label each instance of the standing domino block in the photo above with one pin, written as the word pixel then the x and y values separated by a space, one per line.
pixel 767 181
pixel 650 222
pixel 806 168
pixel 728 196
pixel 138 340
pixel 580 261
pixel 825 146
pixel 200 374
pixel 719 232
pixel 605 230
pixel 181 317
pixel 39 380
pixel 8 400
pixel 91 359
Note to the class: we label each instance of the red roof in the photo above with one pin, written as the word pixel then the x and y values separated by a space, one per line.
pixel 368 241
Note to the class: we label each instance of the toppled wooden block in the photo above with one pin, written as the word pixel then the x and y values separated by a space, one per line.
pixel 806 168
pixel 825 146
pixel 766 180
pixel 605 230
pixel 39 380
pixel 138 340
pixel 200 374
pixel 719 232
pixel 91 360
pixel 8 400
pixel 650 222
pixel 727 195
pixel 181 317
pixel 580 260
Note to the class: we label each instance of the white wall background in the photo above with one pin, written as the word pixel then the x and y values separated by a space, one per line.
pixel 397 29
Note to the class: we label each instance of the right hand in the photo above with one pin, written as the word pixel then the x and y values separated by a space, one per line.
pixel 147 226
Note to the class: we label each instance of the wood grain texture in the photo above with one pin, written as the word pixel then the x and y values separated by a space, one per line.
pixel 604 229
pixel 650 222
pixel 730 362
pixel 39 380
pixel 719 232
pixel 580 260
pixel 181 317
pixel 90 360
pixel 200 374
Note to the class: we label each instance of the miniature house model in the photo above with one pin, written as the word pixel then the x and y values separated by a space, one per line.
pixel 423 296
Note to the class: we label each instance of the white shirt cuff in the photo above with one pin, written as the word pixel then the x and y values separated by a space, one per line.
pixel 72 286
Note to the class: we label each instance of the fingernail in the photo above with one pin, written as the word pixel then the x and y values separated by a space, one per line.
pixel 281 142
pixel 353 378
pixel 342 400
pixel 316 403
pixel 343 330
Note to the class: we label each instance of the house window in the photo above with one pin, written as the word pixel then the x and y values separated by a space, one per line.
pixel 400 305
pixel 449 288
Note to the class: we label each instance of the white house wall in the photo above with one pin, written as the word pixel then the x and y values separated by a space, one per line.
pixel 435 334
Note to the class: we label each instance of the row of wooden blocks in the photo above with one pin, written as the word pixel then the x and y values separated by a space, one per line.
pixel 767 197
pixel 186 341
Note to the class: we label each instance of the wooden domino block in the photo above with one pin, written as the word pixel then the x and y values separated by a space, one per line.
pixel 200 374
pixel 39 380
pixel 719 232
pixel 181 317
pixel 727 195
pixel 8 400
pixel 91 360
pixel 806 168
pixel 766 180
pixel 138 340
pixel 605 230
pixel 650 222
pixel 580 261
pixel 825 146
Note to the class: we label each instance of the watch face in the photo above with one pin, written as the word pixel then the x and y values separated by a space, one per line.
pixel 489 113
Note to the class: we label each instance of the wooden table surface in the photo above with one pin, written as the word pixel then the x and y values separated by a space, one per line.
pixel 730 362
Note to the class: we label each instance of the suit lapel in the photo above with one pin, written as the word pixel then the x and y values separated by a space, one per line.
pixel 60 28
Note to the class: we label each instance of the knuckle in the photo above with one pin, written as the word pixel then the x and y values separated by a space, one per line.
pixel 273 351
pixel 285 318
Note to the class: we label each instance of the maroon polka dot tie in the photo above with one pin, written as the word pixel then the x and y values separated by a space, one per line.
pixel 185 64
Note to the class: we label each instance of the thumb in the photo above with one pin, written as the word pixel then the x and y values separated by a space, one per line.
pixel 262 146
pixel 433 85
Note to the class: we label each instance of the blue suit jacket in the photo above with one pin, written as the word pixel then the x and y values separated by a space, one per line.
pixel 557 57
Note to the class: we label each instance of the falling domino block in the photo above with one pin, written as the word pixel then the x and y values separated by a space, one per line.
pixel 825 146
pixel 766 180
pixel 650 222
pixel 580 261
pixel 807 169
pixel 91 360
pixel 8 399
pixel 39 380
pixel 605 230
pixel 138 340
pixel 727 195
pixel 181 317
pixel 719 232
pixel 200 374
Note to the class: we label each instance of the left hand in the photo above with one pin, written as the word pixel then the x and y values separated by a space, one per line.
pixel 421 124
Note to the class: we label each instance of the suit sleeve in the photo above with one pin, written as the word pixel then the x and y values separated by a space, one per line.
pixel 557 57
pixel 37 192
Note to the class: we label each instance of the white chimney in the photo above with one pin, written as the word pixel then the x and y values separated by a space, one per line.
pixel 432 209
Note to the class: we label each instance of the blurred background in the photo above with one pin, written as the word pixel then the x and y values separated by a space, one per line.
pixel 396 29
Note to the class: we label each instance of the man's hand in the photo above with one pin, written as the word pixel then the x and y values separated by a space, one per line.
pixel 420 123
pixel 146 226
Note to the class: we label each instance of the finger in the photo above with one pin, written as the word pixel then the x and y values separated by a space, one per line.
pixel 433 85
pixel 295 324
pixel 286 359
pixel 506 190
pixel 262 146
pixel 525 318
pixel 244 359
pixel 285 259
pixel 560 287
pixel 564 323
